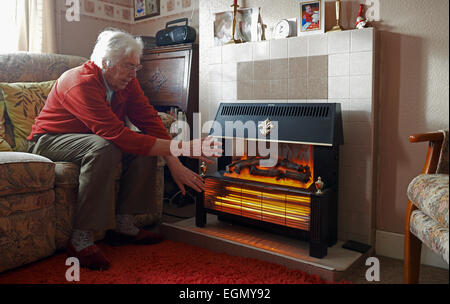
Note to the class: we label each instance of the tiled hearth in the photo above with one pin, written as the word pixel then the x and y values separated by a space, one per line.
pixel 239 240
pixel 331 67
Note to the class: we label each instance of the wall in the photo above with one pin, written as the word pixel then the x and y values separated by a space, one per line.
pixel 78 37
pixel 151 26
pixel 413 96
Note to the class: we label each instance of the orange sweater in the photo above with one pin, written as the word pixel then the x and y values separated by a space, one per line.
pixel 77 104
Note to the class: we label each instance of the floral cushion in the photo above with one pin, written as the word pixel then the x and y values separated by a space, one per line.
pixel 430 233
pixel 24 101
pixel 25 173
pixel 429 192
pixel 4 145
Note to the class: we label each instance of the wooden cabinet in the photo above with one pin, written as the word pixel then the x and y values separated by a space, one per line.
pixel 170 78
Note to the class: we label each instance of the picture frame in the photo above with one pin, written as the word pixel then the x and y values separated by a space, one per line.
pixel 144 9
pixel 310 17
pixel 248 26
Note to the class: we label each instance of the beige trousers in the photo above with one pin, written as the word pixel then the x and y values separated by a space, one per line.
pixel 98 159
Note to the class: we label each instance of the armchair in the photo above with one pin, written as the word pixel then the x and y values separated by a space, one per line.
pixel 427 209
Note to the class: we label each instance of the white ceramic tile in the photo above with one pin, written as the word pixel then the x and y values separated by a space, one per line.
pixel 297 47
pixel 360 110
pixel 351 154
pixel 339 87
pixel 361 63
pixel 228 54
pixel 356 199
pixel 229 72
pixel 229 90
pixel 215 91
pixel 338 42
pixel 213 107
pixel 363 236
pixel 360 87
pixel 357 133
pixel 243 52
pixel 345 106
pixel 278 48
pixel 362 40
pixel 359 223
pixel 215 73
pixel 215 55
pixel 360 175
pixel 338 64
pixel 342 215
pixel 261 50
pixel 317 45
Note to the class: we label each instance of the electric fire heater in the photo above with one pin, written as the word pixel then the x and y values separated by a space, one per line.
pixel 298 194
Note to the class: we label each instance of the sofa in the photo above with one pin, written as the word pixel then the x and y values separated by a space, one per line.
pixel 37 196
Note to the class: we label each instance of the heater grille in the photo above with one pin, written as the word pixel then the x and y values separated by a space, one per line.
pixel 302 123
pixel 318 111
pixel 260 203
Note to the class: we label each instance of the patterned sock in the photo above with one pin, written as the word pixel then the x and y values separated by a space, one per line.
pixel 125 224
pixel 82 239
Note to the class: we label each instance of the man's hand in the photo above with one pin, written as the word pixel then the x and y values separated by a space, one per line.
pixel 184 176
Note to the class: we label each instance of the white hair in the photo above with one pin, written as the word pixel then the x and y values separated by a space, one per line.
pixel 114 44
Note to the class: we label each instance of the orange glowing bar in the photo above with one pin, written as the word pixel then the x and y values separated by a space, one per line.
pixel 279 208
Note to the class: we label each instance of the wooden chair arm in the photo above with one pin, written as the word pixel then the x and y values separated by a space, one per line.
pixel 435 140
pixel 431 136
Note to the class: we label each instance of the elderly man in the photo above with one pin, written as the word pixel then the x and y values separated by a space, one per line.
pixel 83 122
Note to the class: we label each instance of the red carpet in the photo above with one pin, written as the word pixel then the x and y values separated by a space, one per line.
pixel 166 263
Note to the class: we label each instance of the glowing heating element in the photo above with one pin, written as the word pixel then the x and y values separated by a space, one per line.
pixel 279 207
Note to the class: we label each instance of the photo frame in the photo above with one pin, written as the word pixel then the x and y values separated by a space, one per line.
pixel 146 8
pixel 248 26
pixel 310 17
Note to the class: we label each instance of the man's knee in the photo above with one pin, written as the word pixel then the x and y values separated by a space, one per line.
pixel 102 148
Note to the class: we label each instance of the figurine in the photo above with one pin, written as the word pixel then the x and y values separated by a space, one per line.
pixel 360 21
pixel 319 185
pixel 203 168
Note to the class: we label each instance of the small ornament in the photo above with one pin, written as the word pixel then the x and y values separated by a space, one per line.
pixel 319 185
pixel 283 29
pixel 337 27
pixel 203 168
pixel 360 21
pixel 265 127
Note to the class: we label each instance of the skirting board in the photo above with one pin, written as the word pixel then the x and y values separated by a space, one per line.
pixel 390 244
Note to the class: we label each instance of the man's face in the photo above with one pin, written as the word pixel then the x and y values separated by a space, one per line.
pixel 119 75
pixel 308 9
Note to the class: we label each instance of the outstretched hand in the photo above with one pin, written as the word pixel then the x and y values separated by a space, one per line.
pixel 184 176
